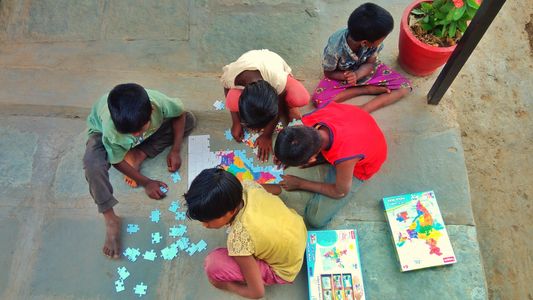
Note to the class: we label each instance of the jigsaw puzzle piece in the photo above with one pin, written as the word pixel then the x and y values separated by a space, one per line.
pixel 228 135
pixel 156 238
pixel 119 285
pixel 168 253
pixel 140 289
pixel 132 228
pixel 180 216
pixel 218 105
pixel 132 254
pixel 183 243
pixel 201 246
pixel 174 206
pixel 150 255
pixel 123 273
pixel 175 177
pixel 155 215
pixel 176 231
pixel 163 189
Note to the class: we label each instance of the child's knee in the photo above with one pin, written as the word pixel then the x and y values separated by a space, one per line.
pixel 315 221
pixel 212 262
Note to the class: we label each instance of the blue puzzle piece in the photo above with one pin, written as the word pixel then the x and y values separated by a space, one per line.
pixel 175 177
pixel 174 206
pixel 168 253
pixel 132 228
pixel 132 254
pixel 155 215
pixel 201 246
pixel 119 285
pixel 150 255
pixel 183 243
pixel 123 273
pixel 227 135
pixel 163 189
pixel 177 231
pixel 218 105
pixel 140 289
pixel 180 216
pixel 156 238
pixel 192 249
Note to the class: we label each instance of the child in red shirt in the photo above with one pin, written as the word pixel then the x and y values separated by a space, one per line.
pixel 346 137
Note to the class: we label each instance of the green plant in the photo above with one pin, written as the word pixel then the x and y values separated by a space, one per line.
pixel 445 18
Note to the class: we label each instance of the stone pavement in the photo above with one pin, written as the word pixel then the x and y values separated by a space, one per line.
pixel 57 57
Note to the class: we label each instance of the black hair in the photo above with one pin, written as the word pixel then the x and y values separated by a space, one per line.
pixel 130 107
pixel 295 145
pixel 370 22
pixel 258 104
pixel 213 193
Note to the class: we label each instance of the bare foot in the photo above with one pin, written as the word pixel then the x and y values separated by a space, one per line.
pixel 113 225
pixel 134 158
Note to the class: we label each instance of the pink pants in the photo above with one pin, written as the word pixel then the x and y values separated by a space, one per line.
pixel 219 266
pixel 296 95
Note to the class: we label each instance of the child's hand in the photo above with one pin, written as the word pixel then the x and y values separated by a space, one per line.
pixel 351 77
pixel 264 145
pixel 152 189
pixel 290 183
pixel 173 160
pixel 237 132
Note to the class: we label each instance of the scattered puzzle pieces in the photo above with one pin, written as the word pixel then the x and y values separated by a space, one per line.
pixel 174 206
pixel 150 255
pixel 191 250
pixel 119 285
pixel 132 228
pixel 168 253
pixel 180 216
pixel 155 215
pixel 175 177
pixel 156 238
pixel 218 105
pixel 177 231
pixel 132 254
pixel 140 289
pixel 123 273
pixel 163 189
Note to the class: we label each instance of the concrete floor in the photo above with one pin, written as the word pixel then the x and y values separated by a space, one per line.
pixel 58 57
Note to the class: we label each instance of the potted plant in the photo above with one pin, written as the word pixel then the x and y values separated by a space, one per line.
pixel 429 31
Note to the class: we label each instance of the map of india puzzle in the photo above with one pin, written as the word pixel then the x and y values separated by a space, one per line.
pixel 418 231
pixel 238 162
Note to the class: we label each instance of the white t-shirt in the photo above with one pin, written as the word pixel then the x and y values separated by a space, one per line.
pixel 272 67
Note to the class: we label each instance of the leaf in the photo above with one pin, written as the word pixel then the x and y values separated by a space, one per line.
pixel 426 6
pixel 443 31
pixel 452 29
pixel 417 12
pixel 438 3
pixel 426 26
pixel 462 25
pixel 426 19
pixel 446 7
pixel 449 16
pixel 472 3
pixel 439 15
pixel 470 12
pixel 459 12
pixel 438 32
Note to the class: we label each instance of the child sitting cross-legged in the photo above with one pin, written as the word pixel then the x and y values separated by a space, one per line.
pixel 266 240
pixel 351 65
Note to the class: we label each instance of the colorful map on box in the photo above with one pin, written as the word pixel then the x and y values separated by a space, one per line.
pixel 418 231
pixel 237 162
pixel 333 265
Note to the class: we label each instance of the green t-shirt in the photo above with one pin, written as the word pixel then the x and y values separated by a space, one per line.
pixel 117 144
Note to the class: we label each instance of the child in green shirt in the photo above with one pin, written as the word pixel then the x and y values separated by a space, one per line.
pixel 124 128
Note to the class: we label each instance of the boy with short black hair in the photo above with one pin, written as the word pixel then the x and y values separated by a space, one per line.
pixel 125 127
pixel 343 135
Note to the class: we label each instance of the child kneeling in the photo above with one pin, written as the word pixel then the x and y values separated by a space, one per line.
pixel 266 239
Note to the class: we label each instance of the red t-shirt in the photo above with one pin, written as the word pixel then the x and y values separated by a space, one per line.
pixel 353 134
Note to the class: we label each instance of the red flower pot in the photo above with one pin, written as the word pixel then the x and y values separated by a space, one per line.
pixel 416 57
